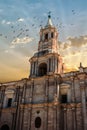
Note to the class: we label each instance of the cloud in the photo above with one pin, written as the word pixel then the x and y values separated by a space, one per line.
pixel 12 46
pixel 78 41
pixel 20 19
pixel 73 43
pixel 74 50
pixel 6 51
pixel 23 40
pixel 6 22
pixel 3 21
pixel 12 22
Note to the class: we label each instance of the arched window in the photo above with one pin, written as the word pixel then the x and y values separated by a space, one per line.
pixel 5 127
pixel 52 35
pixel 9 102
pixel 42 69
pixel 38 122
pixel 46 36
pixel 64 98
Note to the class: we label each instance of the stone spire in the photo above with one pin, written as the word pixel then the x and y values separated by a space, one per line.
pixel 49 22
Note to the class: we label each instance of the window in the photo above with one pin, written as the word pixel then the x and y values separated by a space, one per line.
pixel 64 98
pixel 9 102
pixel 37 122
pixel 46 36
pixel 5 127
pixel 52 35
pixel 42 69
pixel 38 112
pixel 86 99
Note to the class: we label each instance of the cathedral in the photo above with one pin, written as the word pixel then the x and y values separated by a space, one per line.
pixel 49 99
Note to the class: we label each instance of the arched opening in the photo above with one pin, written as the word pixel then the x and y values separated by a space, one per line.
pixel 64 98
pixel 52 35
pixel 9 102
pixel 42 69
pixel 5 127
pixel 46 36
pixel 38 122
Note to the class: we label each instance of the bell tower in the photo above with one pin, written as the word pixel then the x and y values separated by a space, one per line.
pixel 48 37
pixel 47 60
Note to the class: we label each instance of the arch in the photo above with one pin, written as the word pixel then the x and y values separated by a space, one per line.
pixel 37 122
pixel 65 92
pixel 46 36
pixel 42 69
pixel 5 127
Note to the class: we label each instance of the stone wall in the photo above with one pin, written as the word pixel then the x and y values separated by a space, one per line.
pixel 40 97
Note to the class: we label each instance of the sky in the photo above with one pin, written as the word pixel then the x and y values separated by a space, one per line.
pixel 20 23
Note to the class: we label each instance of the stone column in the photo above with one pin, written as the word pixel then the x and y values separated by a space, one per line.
pixel 82 86
pixel 43 37
pixel 48 66
pixel 17 114
pixel 45 126
pixel 35 68
pixel 58 116
pixel 53 64
pixel 49 35
pixel 21 118
pixel 30 68
pixel 29 117
pixel 47 102
pixel 65 119
pixel 2 100
pixel 55 117
pixel 58 92
pixel 73 118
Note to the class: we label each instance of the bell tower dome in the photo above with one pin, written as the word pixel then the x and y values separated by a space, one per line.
pixel 47 61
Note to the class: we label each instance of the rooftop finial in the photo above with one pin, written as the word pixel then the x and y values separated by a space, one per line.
pixel 49 23
pixel 49 14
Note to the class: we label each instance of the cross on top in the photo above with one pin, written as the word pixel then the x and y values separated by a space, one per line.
pixel 49 14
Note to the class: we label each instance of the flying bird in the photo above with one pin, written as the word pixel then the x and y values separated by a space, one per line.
pixel 5 36
pixel 73 11
pixel 0 34
pixel 27 30
pixel 12 26
pixel 32 25
pixel 14 31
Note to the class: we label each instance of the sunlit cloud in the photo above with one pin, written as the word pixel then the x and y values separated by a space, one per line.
pixel 7 22
pixel 73 43
pixel 73 50
pixel 23 40
pixel 20 19
pixel 12 46
pixel 6 51
pixel 12 22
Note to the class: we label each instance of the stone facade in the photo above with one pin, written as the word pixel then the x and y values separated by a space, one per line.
pixel 49 99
